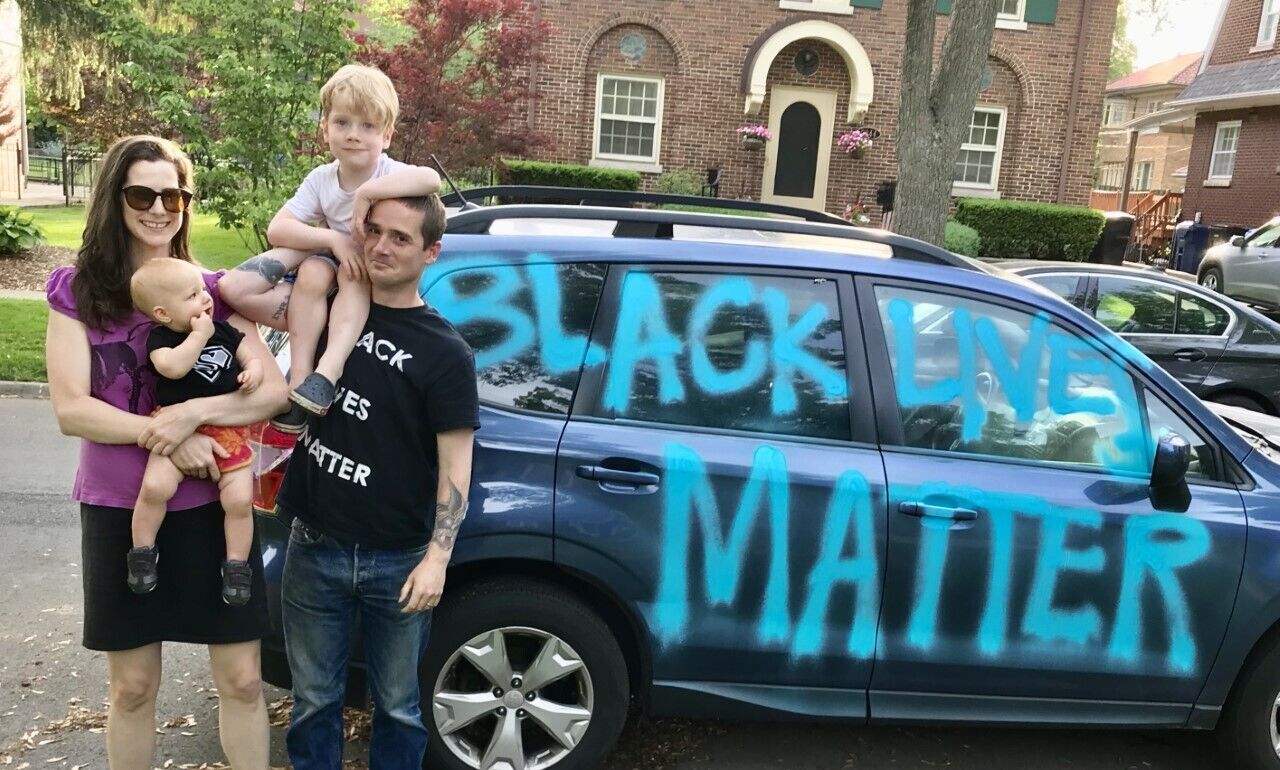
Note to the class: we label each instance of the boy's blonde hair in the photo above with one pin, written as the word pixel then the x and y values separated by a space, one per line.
pixel 156 282
pixel 366 90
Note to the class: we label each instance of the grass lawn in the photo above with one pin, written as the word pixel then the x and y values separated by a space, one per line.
pixel 214 247
pixel 22 325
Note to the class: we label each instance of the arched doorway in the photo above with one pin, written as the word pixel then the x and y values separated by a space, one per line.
pixel 796 162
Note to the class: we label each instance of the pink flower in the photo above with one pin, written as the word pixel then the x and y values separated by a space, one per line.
pixel 757 131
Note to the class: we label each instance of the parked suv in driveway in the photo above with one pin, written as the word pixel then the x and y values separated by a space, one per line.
pixel 750 468
pixel 1247 268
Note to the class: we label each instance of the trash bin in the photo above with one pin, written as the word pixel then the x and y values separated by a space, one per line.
pixel 1180 241
pixel 1194 243
pixel 1116 232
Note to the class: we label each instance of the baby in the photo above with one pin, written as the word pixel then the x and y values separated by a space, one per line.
pixel 195 357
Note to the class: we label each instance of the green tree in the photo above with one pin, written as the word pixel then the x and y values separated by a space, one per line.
pixel 1123 50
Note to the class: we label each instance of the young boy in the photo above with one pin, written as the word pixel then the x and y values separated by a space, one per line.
pixel 195 357
pixel 323 221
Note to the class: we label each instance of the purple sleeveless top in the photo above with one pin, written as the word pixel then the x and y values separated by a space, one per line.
pixel 121 374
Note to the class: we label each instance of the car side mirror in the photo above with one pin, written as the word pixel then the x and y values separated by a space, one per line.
pixel 1237 241
pixel 1173 458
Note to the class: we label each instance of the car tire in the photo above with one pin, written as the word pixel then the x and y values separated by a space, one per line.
pixel 1212 280
pixel 531 621
pixel 1239 400
pixel 1249 731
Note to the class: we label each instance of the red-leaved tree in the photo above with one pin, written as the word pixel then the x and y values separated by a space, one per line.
pixel 463 77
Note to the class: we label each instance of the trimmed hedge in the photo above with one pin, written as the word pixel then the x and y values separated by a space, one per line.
pixel 1016 230
pixel 962 239
pixel 532 172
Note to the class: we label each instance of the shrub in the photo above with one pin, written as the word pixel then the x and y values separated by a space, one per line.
pixel 1013 229
pixel 18 231
pixel 962 239
pixel 532 172
pixel 679 182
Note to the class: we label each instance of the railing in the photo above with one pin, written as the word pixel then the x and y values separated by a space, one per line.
pixel 1153 227
pixel 70 170
pixel 1109 200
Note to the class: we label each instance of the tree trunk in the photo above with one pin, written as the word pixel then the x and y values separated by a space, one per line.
pixel 936 109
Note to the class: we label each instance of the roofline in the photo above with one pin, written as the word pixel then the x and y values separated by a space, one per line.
pixel 1228 101
pixel 1213 38
pixel 1139 89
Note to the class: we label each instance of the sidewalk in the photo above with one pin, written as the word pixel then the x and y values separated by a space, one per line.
pixel 19 294
pixel 39 194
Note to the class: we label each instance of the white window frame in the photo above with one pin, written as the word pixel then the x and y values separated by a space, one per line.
pixel 963 188
pixel 1222 179
pixel 1138 185
pixel 1267 23
pixel 1110 175
pixel 631 162
pixel 1111 107
pixel 841 7
pixel 1016 20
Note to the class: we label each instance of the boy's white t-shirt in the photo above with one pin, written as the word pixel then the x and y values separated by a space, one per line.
pixel 321 198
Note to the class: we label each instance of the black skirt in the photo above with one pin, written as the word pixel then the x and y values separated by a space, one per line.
pixel 186 605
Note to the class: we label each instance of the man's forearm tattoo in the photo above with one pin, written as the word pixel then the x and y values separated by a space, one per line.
pixel 280 311
pixel 271 270
pixel 449 517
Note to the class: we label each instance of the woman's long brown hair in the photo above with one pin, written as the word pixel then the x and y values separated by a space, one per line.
pixel 103 267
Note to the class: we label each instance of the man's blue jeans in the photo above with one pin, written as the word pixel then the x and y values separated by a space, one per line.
pixel 325 582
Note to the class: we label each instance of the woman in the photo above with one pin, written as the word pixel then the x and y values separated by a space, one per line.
pixel 103 390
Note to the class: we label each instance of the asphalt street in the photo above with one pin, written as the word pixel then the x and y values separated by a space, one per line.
pixel 52 690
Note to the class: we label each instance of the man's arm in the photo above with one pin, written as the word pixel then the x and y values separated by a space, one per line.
pixel 289 232
pixel 425 585
pixel 175 423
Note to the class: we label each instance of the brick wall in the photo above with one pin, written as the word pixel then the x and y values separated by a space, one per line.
pixel 1253 196
pixel 1239 34
pixel 701 53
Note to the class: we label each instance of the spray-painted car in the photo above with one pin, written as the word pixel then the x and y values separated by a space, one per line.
pixel 745 468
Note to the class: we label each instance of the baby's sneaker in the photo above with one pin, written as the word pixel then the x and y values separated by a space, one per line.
pixel 292 420
pixel 237 578
pixel 315 394
pixel 142 569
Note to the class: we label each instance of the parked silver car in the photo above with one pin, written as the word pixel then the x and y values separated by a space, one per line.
pixel 1247 268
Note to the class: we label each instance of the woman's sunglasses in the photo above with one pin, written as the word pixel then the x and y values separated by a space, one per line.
pixel 141 198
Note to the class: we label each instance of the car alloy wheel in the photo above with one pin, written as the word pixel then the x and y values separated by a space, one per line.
pixel 514 697
pixel 1210 281
pixel 1275 725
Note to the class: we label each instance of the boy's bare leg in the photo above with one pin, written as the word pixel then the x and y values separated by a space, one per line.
pixel 308 311
pixel 255 288
pixel 159 483
pixel 236 492
pixel 347 318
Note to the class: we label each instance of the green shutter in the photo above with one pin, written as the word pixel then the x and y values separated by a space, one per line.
pixel 944 6
pixel 866 3
pixel 1042 11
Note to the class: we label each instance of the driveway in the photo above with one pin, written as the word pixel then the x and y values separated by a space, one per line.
pixel 52 689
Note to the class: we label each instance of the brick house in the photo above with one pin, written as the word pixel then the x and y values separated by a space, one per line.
pixel 1233 178
pixel 1160 155
pixel 661 86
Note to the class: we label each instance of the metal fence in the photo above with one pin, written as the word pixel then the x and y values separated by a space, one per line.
pixel 75 172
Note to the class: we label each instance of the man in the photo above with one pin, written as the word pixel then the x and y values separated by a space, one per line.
pixel 378 489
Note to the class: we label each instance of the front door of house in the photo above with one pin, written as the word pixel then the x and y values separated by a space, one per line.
pixel 796 162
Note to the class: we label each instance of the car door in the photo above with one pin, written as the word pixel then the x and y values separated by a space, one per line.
pixel 1030 576
pixel 719 472
pixel 1254 271
pixel 1182 330
pixel 526 322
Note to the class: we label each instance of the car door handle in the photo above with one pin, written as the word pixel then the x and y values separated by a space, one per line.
pixel 612 476
pixel 924 510
pixel 1191 354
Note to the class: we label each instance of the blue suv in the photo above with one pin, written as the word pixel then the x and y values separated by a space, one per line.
pixel 740 467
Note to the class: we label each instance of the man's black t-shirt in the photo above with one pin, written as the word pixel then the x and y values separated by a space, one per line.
pixel 366 472
pixel 215 371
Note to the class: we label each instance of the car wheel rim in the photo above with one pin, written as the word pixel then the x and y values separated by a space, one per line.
pixel 1275 725
pixel 514 698
pixel 1211 282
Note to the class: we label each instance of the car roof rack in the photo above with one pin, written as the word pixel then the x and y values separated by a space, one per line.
pixel 612 205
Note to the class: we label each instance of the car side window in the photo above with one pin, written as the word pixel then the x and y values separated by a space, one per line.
pixel 528 326
pixel 758 353
pixel 978 378
pixel 1064 286
pixel 1201 317
pixel 1135 307
pixel 1267 238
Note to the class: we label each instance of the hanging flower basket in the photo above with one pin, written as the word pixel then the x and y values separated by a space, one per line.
pixel 753 137
pixel 856 141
